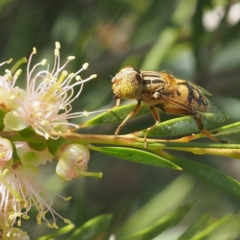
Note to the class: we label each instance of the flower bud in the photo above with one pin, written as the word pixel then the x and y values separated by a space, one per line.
pixel 72 161
pixel 6 151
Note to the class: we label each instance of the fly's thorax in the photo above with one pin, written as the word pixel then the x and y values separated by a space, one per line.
pixel 128 83
pixel 154 81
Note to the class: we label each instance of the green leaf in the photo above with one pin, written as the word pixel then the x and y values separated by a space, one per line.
pixel 211 228
pixel 59 232
pixel 230 229
pixel 207 174
pixel 180 126
pixel 169 197
pixel 136 155
pixel 92 228
pixel 228 129
pixel 116 114
pixel 175 127
pixel 161 225
pixel 164 43
pixel 196 226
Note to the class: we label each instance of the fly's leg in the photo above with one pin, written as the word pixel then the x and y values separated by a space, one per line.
pixel 131 114
pixel 117 102
pixel 157 121
pixel 205 132
pixel 116 105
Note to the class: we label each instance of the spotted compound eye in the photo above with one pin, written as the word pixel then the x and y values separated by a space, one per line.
pixel 131 85
pixel 128 83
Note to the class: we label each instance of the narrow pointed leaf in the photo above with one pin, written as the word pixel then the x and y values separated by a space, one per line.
pixel 180 126
pixel 116 114
pixel 169 197
pixel 228 129
pixel 230 229
pixel 208 174
pixel 211 228
pixel 58 233
pixel 92 228
pixel 138 156
pixel 161 225
pixel 196 226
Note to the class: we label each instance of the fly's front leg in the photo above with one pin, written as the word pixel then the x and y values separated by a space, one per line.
pixel 131 114
pixel 117 102
pixel 205 132
pixel 157 121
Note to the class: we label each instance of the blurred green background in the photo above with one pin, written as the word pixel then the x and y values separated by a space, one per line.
pixel 195 40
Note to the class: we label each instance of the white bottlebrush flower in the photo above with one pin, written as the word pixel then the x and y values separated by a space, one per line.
pixel 16 234
pixel 46 103
pixel 45 106
pixel 19 193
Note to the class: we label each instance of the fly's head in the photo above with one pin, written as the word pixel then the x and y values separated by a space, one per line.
pixel 128 83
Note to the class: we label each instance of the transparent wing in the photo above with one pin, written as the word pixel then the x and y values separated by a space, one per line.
pixel 203 90
pixel 212 113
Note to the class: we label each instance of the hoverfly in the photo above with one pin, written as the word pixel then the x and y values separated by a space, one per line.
pixel 159 90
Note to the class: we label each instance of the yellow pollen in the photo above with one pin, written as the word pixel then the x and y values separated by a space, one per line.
pixel 67 221
pixel 71 75
pixel 43 62
pixel 34 50
pixel 85 66
pixel 19 223
pixel 67 198
pixel 55 226
pixel 25 216
pixel 9 60
pixel 71 58
pixel 49 225
pixel 78 78
pixel 93 76
pixel 57 45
